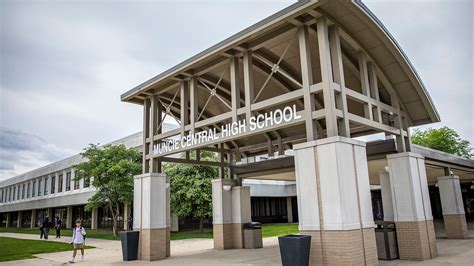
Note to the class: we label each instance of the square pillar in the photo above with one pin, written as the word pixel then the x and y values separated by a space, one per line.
pixel 33 219
pixel 151 209
pixel 174 223
pixel 453 208
pixel 289 210
pixel 18 220
pixel 69 217
pixel 334 202
pixel 386 191
pixel 50 214
pixel 411 206
pixel 94 218
pixel 230 210
pixel 8 220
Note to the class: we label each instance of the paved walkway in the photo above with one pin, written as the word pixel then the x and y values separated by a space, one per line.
pixel 200 252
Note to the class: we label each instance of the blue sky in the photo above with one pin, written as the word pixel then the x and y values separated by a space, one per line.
pixel 63 65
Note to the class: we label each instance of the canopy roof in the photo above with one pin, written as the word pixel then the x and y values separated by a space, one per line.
pixel 361 31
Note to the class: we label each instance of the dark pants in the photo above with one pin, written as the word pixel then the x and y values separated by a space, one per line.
pixel 41 233
pixel 46 232
pixel 58 231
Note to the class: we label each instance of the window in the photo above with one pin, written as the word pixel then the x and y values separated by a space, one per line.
pixel 53 184
pixel 68 181
pixel 45 186
pixel 87 181
pixel 1 199
pixel 33 191
pixel 60 183
pixel 76 182
pixel 10 194
pixel 39 187
pixel 23 192
pixel 18 194
pixel 28 190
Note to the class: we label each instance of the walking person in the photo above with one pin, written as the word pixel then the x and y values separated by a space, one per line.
pixel 40 227
pixel 78 240
pixel 58 227
pixel 46 226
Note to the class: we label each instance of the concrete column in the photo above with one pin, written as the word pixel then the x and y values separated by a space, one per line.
pixel 94 218
pixel 411 206
pixel 386 190
pixel 150 210
pixel 19 218
pixel 174 223
pixel 8 220
pixel 69 217
pixel 33 218
pixel 289 210
pixel 334 203
pixel 230 210
pixel 126 213
pixel 50 214
pixel 453 208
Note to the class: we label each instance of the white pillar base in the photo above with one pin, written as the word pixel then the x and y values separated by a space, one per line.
pixel 230 210
pixel 151 211
pixel 453 207
pixel 334 203
pixel 411 206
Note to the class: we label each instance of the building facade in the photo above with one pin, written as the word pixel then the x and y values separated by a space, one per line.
pixel 51 191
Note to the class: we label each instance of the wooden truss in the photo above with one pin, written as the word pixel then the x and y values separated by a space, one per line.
pixel 324 106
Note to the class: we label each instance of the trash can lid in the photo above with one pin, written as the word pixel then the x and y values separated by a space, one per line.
pixel 252 225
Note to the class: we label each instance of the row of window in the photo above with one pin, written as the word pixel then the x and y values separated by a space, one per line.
pixel 39 188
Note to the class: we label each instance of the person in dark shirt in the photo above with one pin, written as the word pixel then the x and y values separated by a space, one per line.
pixel 46 226
pixel 57 226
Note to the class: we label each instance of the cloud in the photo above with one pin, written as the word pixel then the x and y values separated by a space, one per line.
pixel 64 65
pixel 21 151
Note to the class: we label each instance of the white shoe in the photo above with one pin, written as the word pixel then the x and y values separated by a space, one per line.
pixel 82 258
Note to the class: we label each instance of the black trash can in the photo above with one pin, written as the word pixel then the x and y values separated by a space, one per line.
pixel 294 250
pixel 129 244
pixel 253 235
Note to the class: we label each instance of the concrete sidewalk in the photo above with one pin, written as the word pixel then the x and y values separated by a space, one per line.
pixel 200 252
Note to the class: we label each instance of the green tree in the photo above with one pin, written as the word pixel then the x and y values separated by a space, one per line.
pixel 112 168
pixel 191 189
pixel 442 139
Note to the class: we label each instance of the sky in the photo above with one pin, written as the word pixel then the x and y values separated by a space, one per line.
pixel 64 64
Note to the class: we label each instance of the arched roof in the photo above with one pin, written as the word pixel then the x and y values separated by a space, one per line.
pixel 361 31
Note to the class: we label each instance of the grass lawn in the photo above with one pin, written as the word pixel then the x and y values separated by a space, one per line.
pixel 268 230
pixel 18 249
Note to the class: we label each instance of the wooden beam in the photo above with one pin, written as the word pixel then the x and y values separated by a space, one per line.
pixel 248 83
pixel 193 103
pixel 234 87
pixel 307 81
pixel 338 72
pixel 327 78
pixel 364 79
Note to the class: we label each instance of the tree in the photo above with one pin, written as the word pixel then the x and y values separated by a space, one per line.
pixel 442 139
pixel 191 188
pixel 112 168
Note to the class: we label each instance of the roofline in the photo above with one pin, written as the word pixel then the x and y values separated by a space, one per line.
pixel 424 96
pixel 220 45
pixel 404 56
